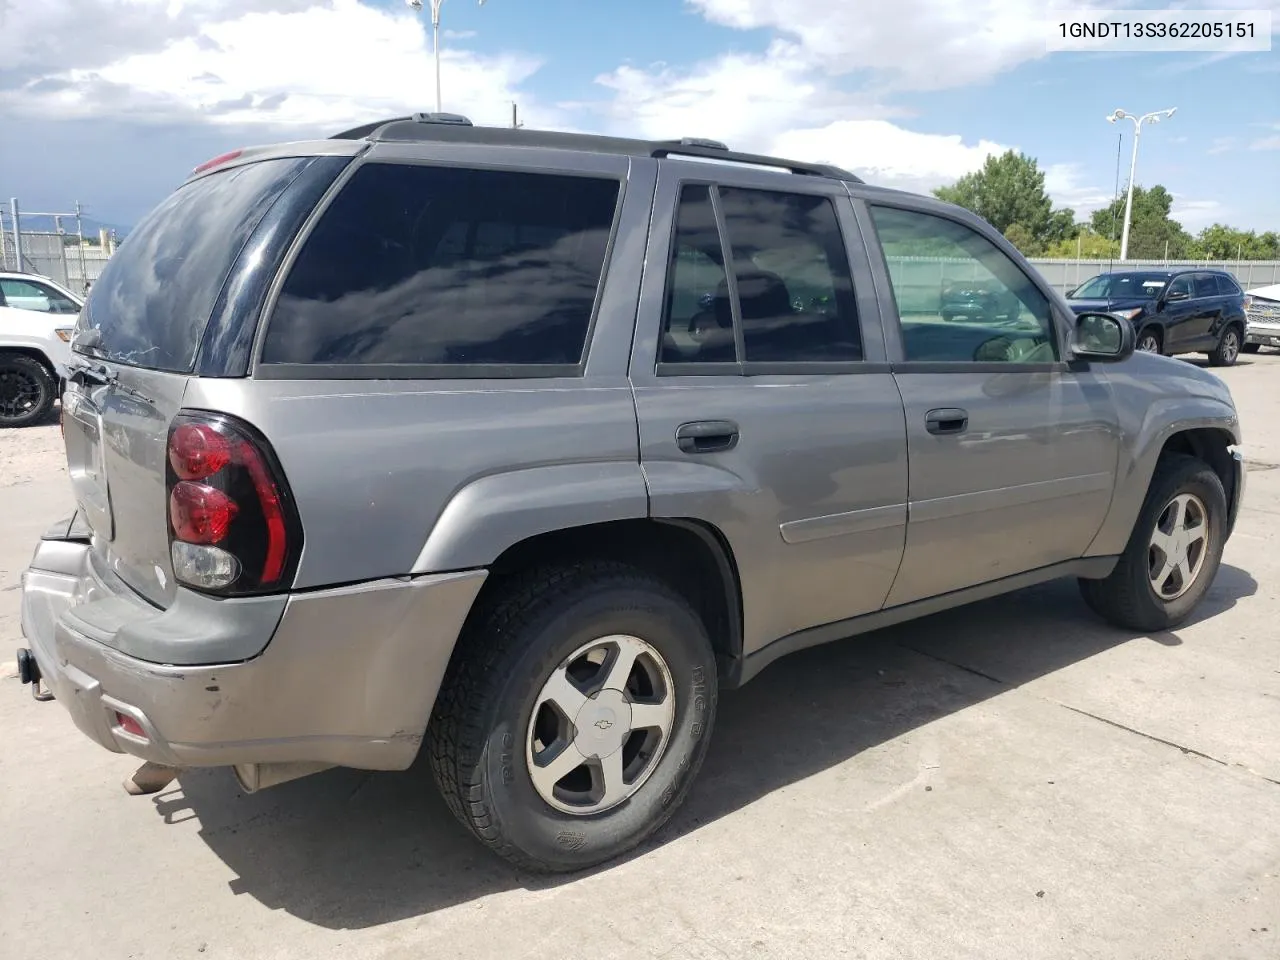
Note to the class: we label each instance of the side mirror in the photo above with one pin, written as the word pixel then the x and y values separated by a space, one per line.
pixel 1175 295
pixel 1102 337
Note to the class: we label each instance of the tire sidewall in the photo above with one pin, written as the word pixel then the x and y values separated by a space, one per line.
pixel 522 816
pixel 1198 479
pixel 23 364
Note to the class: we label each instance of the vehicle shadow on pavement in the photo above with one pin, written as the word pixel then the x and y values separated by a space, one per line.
pixel 347 849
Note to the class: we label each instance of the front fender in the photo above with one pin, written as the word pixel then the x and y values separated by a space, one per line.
pixel 493 513
pixel 1143 443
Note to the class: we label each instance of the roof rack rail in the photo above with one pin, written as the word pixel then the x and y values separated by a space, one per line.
pixel 702 149
pixel 454 128
pixel 362 131
pixel 456 119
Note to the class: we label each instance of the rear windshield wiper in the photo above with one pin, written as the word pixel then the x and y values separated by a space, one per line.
pixel 99 374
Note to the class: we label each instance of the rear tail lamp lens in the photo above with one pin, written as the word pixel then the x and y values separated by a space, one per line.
pixel 232 524
pixel 198 450
pixel 200 513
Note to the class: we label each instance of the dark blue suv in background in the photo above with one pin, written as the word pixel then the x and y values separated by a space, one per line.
pixel 1172 311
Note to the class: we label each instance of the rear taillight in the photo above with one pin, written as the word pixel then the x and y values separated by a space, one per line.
pixel 233 528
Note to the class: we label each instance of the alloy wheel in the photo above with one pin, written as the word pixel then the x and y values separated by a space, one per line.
pixel 19 394
pixel 1230 347
pixel 600 725
pixel 1178 547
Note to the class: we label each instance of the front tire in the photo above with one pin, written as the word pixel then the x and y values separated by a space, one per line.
pixel 1228 349
pixel 571 725
pixel 1173 553
pixel 27 391
pixel 1149 342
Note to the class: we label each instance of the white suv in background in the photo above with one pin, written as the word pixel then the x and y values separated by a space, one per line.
pixel 36 319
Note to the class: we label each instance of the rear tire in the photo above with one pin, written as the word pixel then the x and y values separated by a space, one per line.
pixel 1228 349
pixel 1251 347
pixel 500 712
pixel 27 390
pixel 1128 598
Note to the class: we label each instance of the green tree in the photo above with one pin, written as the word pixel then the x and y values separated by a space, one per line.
pixel 1008 192
pixel 1008 189
pixel 1151 228
pixel 1221 242
pixel 1087 245
pixel 1021 238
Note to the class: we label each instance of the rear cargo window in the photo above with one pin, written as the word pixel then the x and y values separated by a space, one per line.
pixel 155 296
pixel 424 266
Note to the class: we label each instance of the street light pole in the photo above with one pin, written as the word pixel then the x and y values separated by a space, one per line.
pixel 1133 164
pixel 435 39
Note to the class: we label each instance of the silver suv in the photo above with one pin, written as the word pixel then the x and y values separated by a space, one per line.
pixel 513 448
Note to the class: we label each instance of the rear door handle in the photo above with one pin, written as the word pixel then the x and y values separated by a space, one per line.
pixel 946 420
pixel 707 436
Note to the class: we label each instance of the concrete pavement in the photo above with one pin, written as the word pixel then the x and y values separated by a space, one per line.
pixel 1012 780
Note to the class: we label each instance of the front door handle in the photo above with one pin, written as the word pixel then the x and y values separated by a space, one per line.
pixel 946 420
pixel 707 436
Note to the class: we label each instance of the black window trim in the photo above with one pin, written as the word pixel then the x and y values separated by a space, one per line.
pixel 740 367
pixel 258 370
pixel 1064 363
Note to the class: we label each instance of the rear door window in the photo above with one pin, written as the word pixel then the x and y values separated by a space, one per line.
pixel 1206 285
pixel 421 266
pixel 158 289
pixel 790 272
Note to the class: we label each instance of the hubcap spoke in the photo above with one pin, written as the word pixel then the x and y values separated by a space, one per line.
pixel 624 661
pixel 561 691
pixel 1162 541
pixel 613 786
pixel 653 715
pixel 546 776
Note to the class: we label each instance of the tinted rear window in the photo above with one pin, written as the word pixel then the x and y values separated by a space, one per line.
pixel 157 291
pixel 420 265
pixel 1227 287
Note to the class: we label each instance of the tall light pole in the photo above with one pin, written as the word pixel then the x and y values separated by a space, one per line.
pixel 1133 164
pixel 435 38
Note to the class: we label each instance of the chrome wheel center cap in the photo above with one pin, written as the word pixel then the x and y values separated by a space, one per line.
pixel 603 724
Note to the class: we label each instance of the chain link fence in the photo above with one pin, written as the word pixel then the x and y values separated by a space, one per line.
pixel 64 256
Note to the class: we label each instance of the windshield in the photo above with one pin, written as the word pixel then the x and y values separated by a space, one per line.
pixel 1117 286
pixel 158 290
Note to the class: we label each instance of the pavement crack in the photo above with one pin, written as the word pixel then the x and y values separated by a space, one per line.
pixel 1189 751
pixel 960 666
pixel 1150 736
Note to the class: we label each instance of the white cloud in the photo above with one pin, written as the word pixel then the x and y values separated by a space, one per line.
pixel 1064 183
pixel 331 64
pixel 916 44
pixel 738 98
pixel 777 103
pixel 1266 143
pixel 1195 215
pixel 886 154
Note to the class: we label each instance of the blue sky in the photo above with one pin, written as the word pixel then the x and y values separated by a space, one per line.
pixel 110 102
